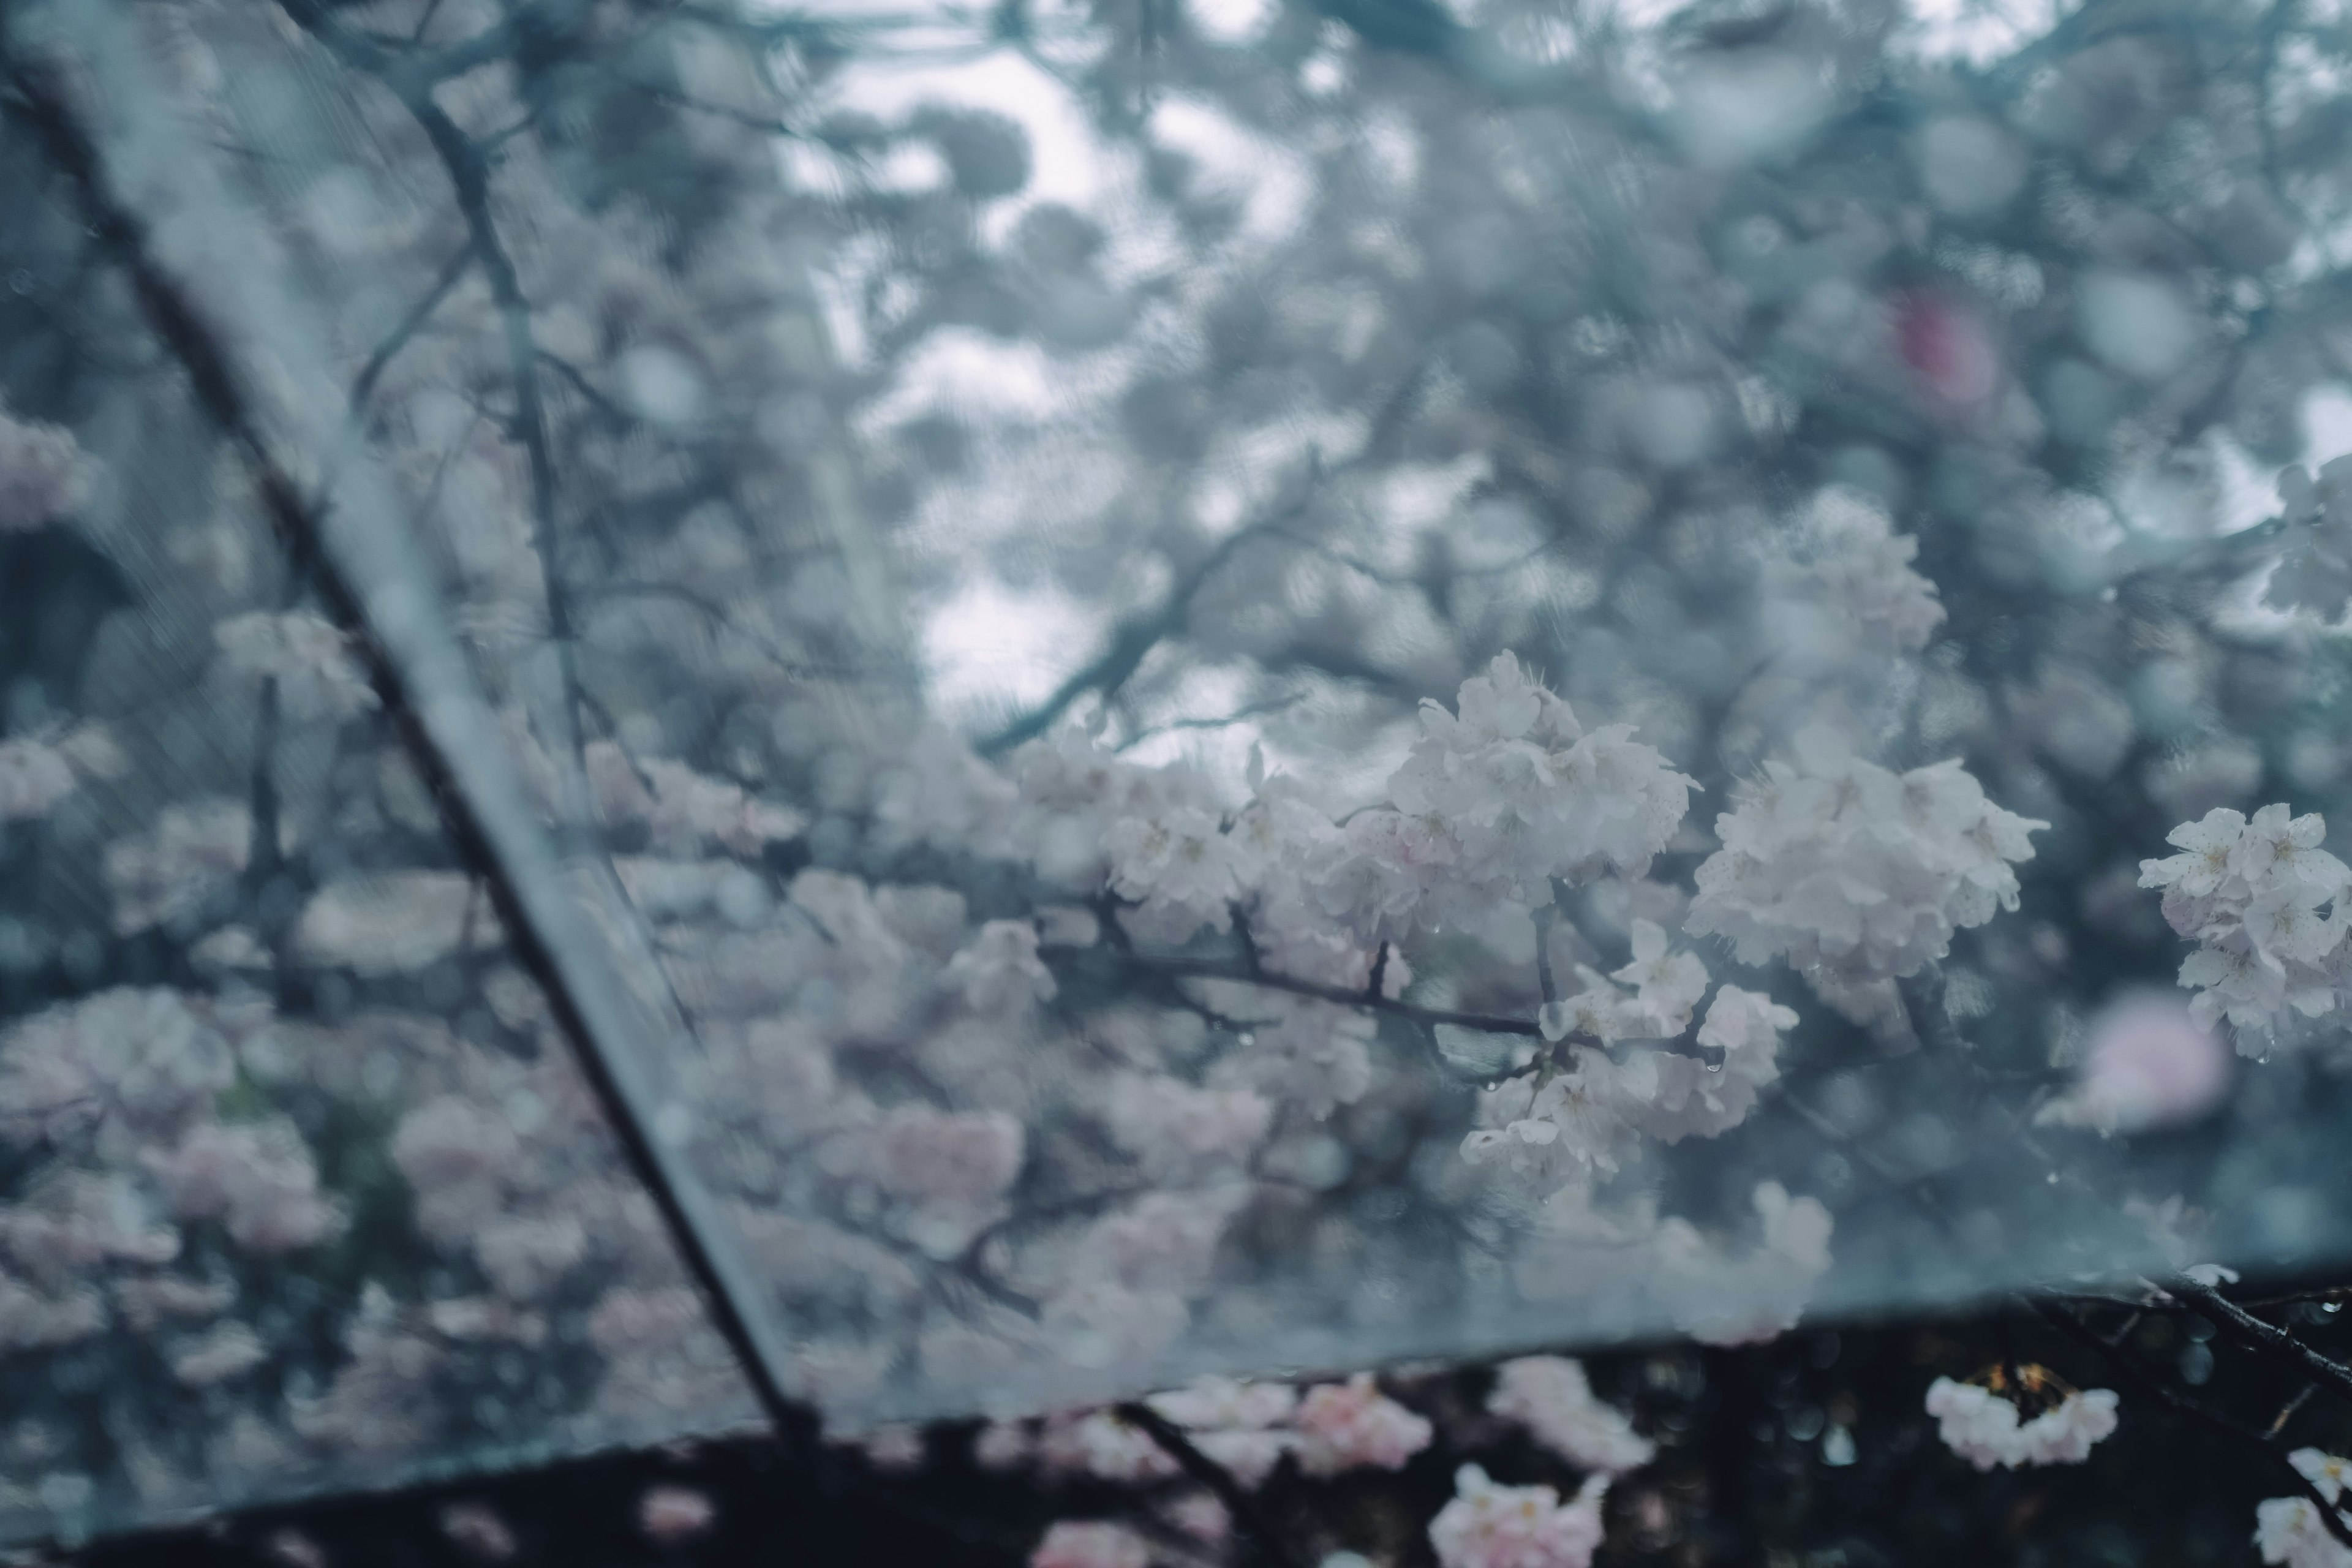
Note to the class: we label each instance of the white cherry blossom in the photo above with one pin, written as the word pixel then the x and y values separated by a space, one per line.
pixel 1551 1398
pixel 1491 1526
pixel 1837 862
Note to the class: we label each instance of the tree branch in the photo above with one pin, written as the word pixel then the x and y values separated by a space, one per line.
pixel 2147 1383
pixel 1349 996
pixel 1238 1500
pixel 2265 1339
pixel 1131 643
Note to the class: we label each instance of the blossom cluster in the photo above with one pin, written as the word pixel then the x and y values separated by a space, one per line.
pixel 1550 1396
pixel 1488 1525
pixel 2264 904
pixel 1496 799
pixel 1090 1543
pixel 43 473
pixel 1838 863
pixel 1854 573
pixel 307 656
pixel 1984 1428
pixel 2289 1530
pixel 1247 1427
pixel 1584 1119
pixel 2314 569
pixel 132 1079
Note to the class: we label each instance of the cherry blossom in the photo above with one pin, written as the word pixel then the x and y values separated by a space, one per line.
pixel 479 1531
pixel 1342 1425
pixel 2288 1530
pixel 999 970
pixel 1090 1544
pixel 307 658
pixel 1244 1427
pixel 1170 1124
pixel 1852 572
pixel 1837 862
pixel 2314 571
pixel 34 777
pixel 1525 794
pixel 43 474
pixel 2146 1064
pixel 169 874
pixel 256 1178
pixel 1491 1526
pixel 2250 892
pixel 1549 1396
pixel 670 1514
pixel 1726 1297
pixel 1984 1428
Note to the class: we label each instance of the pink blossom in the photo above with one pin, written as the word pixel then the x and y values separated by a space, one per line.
pixel 292 1548
pixel 1200 1516
pixel 1947 347
pixel 1983 1428
pixel 669 1515
pixel 896 1447
pixel 2147 1063
pixel 478 1530
pixel 1342 1425
pixel 1549 1396
pixel 1491 1526
pixel 1098 1443
pixel 1165 1121
pixel 1003 1444
pixel 920 1152
pixel 1091 1545
pixel 256 1178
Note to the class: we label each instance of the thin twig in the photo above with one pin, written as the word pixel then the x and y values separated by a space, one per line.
pixel 2133 1373
pixel 1346 995
pixel 409 325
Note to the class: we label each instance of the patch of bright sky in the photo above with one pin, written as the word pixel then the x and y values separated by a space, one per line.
pixel 1233 22
pixel 1272 183
pixel 990 644
pixel 989 649
pixel 1204 694
pixel 1067 161
pixel 1975 32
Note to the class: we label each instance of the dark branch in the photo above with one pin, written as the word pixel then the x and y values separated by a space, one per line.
pixel 1237 1499
pixel 2128 1367
pixel 1129 646
pixel 364 384
pixel 2265 1339
pixel 1273 979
